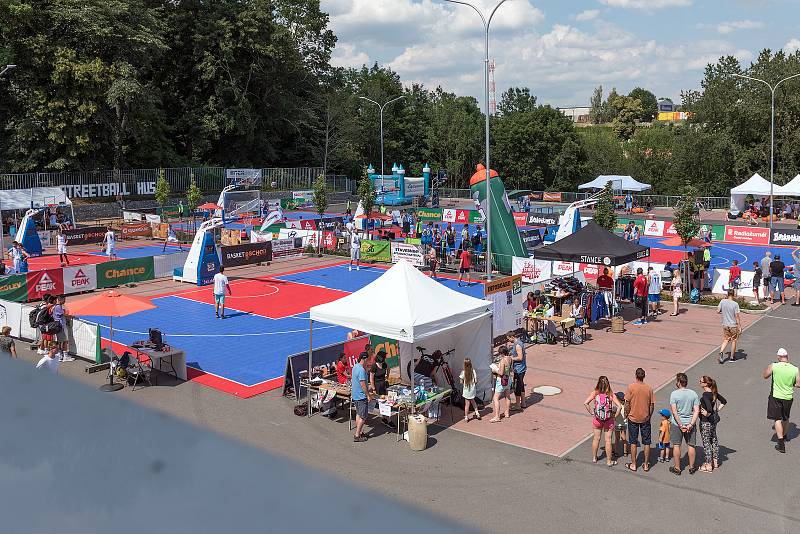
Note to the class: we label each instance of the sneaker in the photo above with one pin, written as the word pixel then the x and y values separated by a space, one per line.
pixel 780 447
pixel 721 358
pixel 637 322
pixel 359 439
pixel 66 358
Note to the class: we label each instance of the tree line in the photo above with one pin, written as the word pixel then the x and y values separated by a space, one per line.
pixel 237 83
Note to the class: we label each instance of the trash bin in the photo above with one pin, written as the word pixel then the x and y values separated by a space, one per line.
pixel 417 432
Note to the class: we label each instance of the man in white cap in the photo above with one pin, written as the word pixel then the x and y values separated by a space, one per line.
pixel 785 377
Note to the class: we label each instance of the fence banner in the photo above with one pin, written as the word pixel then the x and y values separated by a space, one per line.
pixel 429 214
pixel 747 235
pixel 11 316
pixel 79 278
pixel 782 236
pixel 532 271
pixel 538 219
pixel 247 254
pixel 132 216
pixel 243 177
pixel 14 288
pixel 329 241
pixel 152 219
pixel 449 215
pixel 376 250
pixel 551 197
pixel 475 217
pixel 257 236
pixel 408 252
pixel 287 248
pixel 654 228
pixel 48 282
pixel 531 239
pixel 117 273
pixel 303 195
pixel 86 235
pixel 140 229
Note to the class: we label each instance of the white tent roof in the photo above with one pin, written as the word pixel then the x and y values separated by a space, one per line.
pixel 756 185
pixel 621 183
pixel 402 304
pixel 792 189
pixel 20 199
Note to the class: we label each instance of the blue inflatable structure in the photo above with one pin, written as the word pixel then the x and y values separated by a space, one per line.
pixel 398 189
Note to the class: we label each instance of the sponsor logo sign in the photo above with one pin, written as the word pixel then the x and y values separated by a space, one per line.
pixel 462 216
pixel 654 228
pixel 747 235
pixel 536 219
pixel 116 273
pixel 246 254
pixel 532 270
pixel 785 237
pixel 449 215
pixel 154 219
pixel 561 268
pixel 50 282
pixel 531 239
pixel 520 218
pixel 508 283
pixel 429 214
pixel 303 195
pixel 408 252
pixel 376 250
pixel 287 248
pixel 596 260
pixel 131 216
pixel 79 279
pixel 414 187
pixel 551 197
pixel 141 229
pixel 14 288
pixel 86 235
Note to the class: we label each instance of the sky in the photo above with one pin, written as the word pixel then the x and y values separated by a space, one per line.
pixel 560 49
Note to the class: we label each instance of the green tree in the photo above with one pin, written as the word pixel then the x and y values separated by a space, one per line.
pixel 193 195
pixel 596 112
pixel 648 101
pixel 366 193
pixel 686 220
pixel 628 111
pixel 320 204
pixel 162 189
pixel 604 214
pixel 516 100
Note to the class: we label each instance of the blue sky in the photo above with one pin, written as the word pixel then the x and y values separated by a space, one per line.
pixel 561 49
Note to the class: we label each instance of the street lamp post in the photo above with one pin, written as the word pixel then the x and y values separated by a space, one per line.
pixel 486 24
pixel 2 231
pixel 382 107
pixel 772 89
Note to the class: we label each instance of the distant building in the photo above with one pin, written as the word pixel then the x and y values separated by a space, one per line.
pixel 578 114
pixel 665 105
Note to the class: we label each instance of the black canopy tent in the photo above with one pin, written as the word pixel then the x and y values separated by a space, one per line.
pixel 594 245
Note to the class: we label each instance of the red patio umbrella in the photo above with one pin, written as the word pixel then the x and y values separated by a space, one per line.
pixel 375 216
pixel 209 206
pixel 110 304
pixel 676 241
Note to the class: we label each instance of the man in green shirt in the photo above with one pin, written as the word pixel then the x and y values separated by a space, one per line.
pixel 785 377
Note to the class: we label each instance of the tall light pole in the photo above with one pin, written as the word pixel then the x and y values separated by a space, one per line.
pixel 382 107
pixel 2 243
pixel 772 89
pixel 486 23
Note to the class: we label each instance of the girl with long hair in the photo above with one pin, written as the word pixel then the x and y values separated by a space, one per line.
pixel 502 381
pixel 600 404
pixel 469 379
pixel 711 404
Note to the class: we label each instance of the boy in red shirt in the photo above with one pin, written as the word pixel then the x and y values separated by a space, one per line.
pixel 464 264
pixel 640 290
pixel 735 276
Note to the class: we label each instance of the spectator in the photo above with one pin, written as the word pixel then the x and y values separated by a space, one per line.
pixel 62 341
pixel 500 371
pixel 602 413
pixel 709 417
pixel 677 293
pixel 758 273
pixel 360 396
pixel 654 291
pixel 765 263
pixel 469 379
pixel 379 378
pixel 640 289
pixel 735 276
pixel 785 377
pixel 796 258
pixel 7 348
pixel 639 405
pixel 342 369
pixel 731 325
pixel 635 234
pixel 685 406
pixel 49 361
pixel 663 436
pixel 517 351
pixel 776 279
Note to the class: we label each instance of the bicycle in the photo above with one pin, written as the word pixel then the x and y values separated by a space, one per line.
pixel 455 398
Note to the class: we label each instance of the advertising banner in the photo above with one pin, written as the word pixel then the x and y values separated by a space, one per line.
pixel 303 195
pixel 511 283
pixel 50 282
pixel 449 215
pixel 86 235
pixel 429 214
pixel 408 252
pixel 141 229
pixel 462 216
pixel 520 218
pixel 391 346
pixel 117 273
pixel 247 254
pixel 532 271
pixel 79 279
pixel 243 177
pixel 287 248
pixel 302 224
pixel 539 219
pixel 531 239
pixel 152 219
pixel 45 237
pixel 475 217
pixel 551 197
pixel 14 288
pixel 747 235
pixel 654 228
pixel 563 268
pixel 376 250
pixel 328 240
pixel 11 314
pixel 415 187
pixel 257 236
pixel 785 237
pixel 132 216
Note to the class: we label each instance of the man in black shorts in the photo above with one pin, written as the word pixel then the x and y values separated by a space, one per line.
pixel 426 367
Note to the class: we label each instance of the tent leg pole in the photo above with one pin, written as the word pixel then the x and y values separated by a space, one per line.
pixel 111 386
pixel 310 357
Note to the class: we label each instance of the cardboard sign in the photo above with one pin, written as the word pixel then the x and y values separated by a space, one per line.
pixel 406 251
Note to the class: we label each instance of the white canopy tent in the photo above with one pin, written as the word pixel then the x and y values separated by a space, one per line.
pixel 618 183
pixel 407 306
pixel 791 189
pixel 34 198
pixel 756 186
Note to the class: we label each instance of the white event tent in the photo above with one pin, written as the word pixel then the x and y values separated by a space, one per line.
pixel 405 305
pixel 791 189
pixel 756 186
pixel 618 183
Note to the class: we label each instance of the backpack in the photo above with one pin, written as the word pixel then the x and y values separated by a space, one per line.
pixel 43 316
pixel 603 407
pixel 694 296
pixel 53 327
pixel 33 315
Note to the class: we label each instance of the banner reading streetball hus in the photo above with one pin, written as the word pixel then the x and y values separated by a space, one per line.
pixel 117 273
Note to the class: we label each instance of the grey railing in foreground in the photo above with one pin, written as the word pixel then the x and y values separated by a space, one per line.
pixel 207 178
pixel 127 461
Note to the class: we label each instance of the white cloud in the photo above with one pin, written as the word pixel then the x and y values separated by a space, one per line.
pixel 589 14
pixel 792 46
pixel 736 25
pixel 346 55
pixel 646 4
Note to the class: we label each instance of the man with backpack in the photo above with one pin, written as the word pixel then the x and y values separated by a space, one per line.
pixel 33 320
pixel 62 342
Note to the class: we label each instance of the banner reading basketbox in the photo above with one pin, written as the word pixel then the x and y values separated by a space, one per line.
pixel 410 253
pixel 116 273
pixel 376 250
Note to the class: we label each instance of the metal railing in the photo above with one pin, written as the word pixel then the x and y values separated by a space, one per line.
pixel 140 181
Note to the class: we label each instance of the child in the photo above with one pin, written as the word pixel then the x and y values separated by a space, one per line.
pixel 620 427
pixel 432 261
pixel 469 379
pixel 464 265
pixel 663 437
